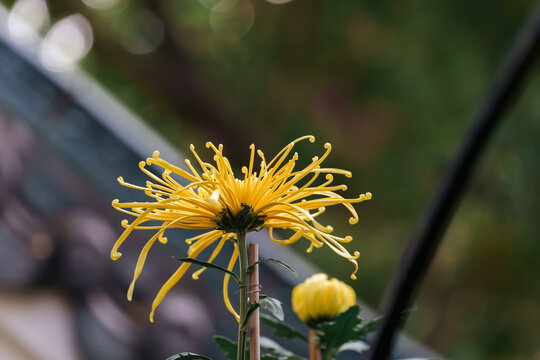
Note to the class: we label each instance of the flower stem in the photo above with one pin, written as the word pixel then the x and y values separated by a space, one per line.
pixel 243 264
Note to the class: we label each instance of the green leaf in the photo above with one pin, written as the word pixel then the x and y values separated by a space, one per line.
pixel 188 356
pixel 275 261
pixel 231 347
pixel 282 329
pixel 273 306
pixel 369 327
pixel 356 345
pixel 277 350
pixel 210 266
pixel 251 309
pixel 228 346
pixel 345 327
pixel 269 357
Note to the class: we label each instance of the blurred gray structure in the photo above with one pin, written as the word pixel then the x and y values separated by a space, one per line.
pixel 63 143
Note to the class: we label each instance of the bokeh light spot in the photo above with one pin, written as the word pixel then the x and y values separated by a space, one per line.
pixel 67 42
pixel 101 4
pixel 147 33
pixel 26 19
pixel 233 23
pixel 279 2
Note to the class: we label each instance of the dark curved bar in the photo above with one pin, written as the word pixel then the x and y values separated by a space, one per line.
pixel 501 94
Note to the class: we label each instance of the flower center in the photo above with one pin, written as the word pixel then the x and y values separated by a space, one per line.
pixel 244 221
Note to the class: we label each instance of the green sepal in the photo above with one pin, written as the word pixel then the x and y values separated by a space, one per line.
pixel 281 329
pixel 274 261
pixel 210 266
pixel 276 351
pixel 188 356
pixel 273 306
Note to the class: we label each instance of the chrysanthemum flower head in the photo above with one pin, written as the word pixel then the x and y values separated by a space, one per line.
pixel 320 299
pixel 276 196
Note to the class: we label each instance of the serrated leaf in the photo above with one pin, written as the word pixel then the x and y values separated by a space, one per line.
pixel 227 345
pixel 358 346
pixel 274 261
pixel 277 350
pixel 273 306
pixel 230 347
pixel 188 356
pixel 281 329
pixel 269 357
pixel 210 266
pixel 345 327
pixel 369 327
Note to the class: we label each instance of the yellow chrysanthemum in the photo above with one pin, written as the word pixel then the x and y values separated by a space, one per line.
pixel 278 196
pixel 320 299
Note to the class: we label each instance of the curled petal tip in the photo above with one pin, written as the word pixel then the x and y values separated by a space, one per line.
pixel 353 221
pixel 115 202
pixel 356 255
pixel 155 154
pixel 353 277
pixel 328 146
pixel 120 179
pixel 115 255
pixel 151 317
pixel 347 239
pixel 195 277
pixel 208 144
pixel 311 138
pixel 368 196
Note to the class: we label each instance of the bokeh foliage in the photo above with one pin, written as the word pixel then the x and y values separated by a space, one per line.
pixel 393 86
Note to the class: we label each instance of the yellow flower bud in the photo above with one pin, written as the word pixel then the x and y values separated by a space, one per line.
pixel 318 299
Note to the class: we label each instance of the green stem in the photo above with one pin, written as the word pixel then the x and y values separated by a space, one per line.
pixel 243 264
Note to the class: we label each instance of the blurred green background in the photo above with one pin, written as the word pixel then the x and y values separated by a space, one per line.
pixel 393 86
